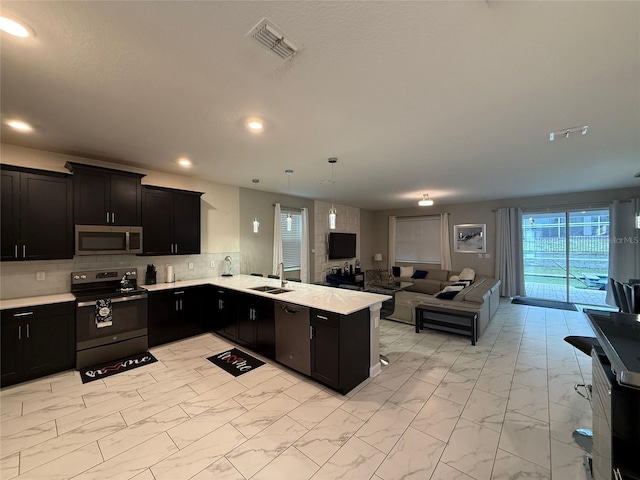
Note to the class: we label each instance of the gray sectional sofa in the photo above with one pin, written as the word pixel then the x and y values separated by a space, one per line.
pixel 481 297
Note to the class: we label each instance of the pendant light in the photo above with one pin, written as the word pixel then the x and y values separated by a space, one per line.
pixel 426 201
pixel 333 213
pixel 256 223
pixel 289 220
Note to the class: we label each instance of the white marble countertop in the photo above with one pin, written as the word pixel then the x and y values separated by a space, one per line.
pixel 337 300
pixel 35 301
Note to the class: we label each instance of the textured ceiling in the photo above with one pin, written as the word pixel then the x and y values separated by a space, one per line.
pixel 454 99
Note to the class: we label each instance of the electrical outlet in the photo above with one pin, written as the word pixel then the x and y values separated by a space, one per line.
pixel 40 276
pixel 487 255
pixel 190 265
pixel 479 255
pixel 213 264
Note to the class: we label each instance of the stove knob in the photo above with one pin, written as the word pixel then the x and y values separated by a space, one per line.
pixel 76 277
pixel 83 276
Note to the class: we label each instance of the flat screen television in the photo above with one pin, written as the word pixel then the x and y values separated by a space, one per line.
pixel 342 245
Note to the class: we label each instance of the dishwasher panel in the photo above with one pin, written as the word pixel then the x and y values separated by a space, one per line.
pixel 293 343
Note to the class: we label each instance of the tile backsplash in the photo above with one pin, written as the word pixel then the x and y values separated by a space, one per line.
pixel 18 279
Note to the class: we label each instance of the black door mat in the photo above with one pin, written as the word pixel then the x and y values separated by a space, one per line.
pixel 235 362
pixel 107 369
pixel 536 302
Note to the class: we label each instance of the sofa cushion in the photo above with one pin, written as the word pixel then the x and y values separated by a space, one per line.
pixel 467 274
pixel 453 288
pixel 419 274
pixel 406 271
pixel 440 275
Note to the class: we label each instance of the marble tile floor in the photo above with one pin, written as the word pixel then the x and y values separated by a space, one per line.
pixel 441 410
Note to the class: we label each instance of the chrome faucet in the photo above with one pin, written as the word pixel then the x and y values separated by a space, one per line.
pixel 281 268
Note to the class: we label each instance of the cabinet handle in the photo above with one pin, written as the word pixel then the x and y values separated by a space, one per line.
pixel 23 314
pixel 19 332
pixel 310 332
pixel 27 330
pixel 321 317
pixel 181 304
pixel 16 251
pixel 24 251
pixel 113 217
pixel 176 248
pixel 107 217
pixel 181 292
pixel 172 248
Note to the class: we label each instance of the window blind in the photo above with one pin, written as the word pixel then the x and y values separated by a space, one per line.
pixel 291 241
pixel 418 239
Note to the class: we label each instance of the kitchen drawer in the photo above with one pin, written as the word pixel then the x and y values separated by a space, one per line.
pixel 325 318
pixel 40 311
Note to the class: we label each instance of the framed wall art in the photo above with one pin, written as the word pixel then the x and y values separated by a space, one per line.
pixel 470 238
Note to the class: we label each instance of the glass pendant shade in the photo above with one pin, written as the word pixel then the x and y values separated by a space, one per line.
pixel 256 225
pixel 332 218
pixel 288 222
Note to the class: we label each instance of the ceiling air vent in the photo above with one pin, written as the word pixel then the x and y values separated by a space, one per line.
pixel 273 39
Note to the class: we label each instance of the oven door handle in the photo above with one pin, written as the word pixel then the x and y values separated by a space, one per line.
pixel 114 300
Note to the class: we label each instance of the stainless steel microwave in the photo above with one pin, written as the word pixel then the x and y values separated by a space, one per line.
pixel 107 240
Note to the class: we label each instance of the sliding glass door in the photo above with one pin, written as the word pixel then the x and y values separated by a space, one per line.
pixel 566 255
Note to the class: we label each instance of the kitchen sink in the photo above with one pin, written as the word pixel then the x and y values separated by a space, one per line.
pixel 270 289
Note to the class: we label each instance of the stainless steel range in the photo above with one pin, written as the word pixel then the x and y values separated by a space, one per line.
pixel 111 315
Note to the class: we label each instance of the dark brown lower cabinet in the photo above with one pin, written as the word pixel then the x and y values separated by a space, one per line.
pixel 37 341
pixel 256 324
pixel 340 348
pixel 175 314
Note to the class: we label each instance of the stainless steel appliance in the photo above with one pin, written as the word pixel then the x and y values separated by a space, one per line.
pixel 111 315
pixel 293 337
pixel 109 240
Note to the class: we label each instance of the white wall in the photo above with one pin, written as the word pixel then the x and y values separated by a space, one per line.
pixel 220 202
pixel 347 221
pixel 219 221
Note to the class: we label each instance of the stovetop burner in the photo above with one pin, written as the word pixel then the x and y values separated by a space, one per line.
pixel 106 283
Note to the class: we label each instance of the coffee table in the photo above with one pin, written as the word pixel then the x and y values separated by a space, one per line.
pixel 394 286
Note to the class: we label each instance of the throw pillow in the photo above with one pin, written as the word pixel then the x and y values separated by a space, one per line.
pixel 418 274
pixel 464 283
pixel 406 271
pixel 453 288
pixel 467 274
pixel 395 271
pixel 447 295
pixel 454 278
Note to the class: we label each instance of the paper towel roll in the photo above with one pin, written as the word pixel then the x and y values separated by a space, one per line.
pixel 171 277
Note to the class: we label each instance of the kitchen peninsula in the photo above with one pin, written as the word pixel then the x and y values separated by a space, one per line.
pixel 354 315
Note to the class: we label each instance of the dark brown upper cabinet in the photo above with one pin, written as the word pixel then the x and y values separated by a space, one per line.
pixel 171 221
pixel 37 214
pixel 102 196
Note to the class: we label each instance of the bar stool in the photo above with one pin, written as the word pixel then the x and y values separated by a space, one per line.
pixel 583 436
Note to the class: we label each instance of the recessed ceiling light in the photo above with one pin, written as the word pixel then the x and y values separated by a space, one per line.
pixel 184 162
pixel 20 126
pixel 15 28
pixel 255 125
